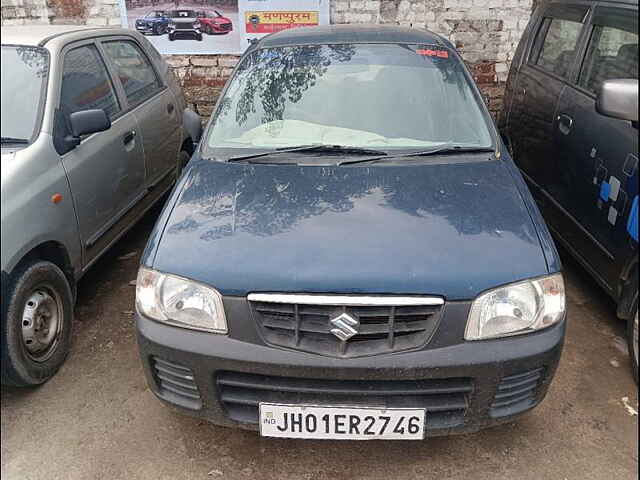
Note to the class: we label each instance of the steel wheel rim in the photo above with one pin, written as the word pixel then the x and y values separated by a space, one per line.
pixel 41 323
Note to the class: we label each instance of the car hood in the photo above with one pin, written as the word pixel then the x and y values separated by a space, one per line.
pixel 452 229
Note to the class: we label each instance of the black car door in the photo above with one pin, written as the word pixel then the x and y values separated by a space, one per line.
pixel 598 155
pixel 540 80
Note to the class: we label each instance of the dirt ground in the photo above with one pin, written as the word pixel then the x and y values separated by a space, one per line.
pixel 97 420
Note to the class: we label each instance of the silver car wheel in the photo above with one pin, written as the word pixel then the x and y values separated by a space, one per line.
pixel 41 323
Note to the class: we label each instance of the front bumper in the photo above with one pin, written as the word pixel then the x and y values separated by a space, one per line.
pixel 465 386
pixel 185 32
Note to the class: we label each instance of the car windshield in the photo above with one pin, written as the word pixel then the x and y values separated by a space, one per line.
pixel 24 76
pixel 183 14
pixel 155 15
pixel 380 96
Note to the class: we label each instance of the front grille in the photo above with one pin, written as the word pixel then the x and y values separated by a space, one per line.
pixel 446 400
pixel 184 25
pixel 175 383
pixel 225 26
pixel 382 329
pixel 516 393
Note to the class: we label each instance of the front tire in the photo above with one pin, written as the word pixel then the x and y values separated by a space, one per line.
pixel 632 338
pixel 36 325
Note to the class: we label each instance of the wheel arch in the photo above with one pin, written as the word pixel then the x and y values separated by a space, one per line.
pixel 54 252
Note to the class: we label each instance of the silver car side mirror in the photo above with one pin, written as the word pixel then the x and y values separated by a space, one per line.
pixel 619 99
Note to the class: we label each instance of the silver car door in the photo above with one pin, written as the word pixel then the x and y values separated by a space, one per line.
pixel 153 104
pixel 106 170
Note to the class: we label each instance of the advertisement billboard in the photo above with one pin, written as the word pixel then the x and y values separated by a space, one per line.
pixel 191 27
pixel 262 17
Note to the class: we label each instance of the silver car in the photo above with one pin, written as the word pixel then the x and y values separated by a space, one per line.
pixel 95 130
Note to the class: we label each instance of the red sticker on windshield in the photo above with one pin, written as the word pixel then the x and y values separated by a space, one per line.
pixel 433 53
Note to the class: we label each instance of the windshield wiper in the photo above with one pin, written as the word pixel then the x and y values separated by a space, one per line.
pixel 442 149
pixel 320 148
pixel 21 141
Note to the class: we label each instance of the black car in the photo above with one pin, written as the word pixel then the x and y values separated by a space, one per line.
pixel 351 253
pixel 184 24
pixel 571 123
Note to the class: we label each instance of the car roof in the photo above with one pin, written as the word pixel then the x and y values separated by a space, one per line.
pixel 337 34
pixel 39 35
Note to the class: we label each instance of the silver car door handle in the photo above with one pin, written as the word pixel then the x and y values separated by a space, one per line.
pixel 565 123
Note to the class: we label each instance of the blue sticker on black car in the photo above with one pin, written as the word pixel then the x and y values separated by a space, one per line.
pixel 632 223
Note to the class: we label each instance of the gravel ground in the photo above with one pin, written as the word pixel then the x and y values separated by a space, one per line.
pixel 97 420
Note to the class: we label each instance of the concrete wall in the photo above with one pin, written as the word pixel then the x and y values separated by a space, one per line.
pixel 485 31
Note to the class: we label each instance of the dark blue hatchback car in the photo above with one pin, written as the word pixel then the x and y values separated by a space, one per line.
pixel 351 252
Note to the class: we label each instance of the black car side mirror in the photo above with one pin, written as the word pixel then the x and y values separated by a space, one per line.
pixel 86 122
pixel 619 99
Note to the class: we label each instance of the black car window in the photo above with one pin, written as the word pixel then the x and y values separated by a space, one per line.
pixel 86 84
pixel 554 48
pixel 557 51
pixel 138 78
pixel 613 48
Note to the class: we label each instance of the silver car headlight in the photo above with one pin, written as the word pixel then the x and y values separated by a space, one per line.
pixel 515 309
pixel 180 302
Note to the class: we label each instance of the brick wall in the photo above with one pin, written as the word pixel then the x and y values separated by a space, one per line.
pixel 485 31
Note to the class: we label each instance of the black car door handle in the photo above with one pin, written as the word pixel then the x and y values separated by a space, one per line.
pixel 565 122
pixel 128 138
pixel 170 108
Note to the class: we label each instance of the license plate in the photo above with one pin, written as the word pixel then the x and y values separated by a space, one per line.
pixel 341 423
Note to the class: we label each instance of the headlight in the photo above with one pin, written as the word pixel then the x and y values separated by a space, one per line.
pixel 515 309
pixel 196 25
pixel 180 302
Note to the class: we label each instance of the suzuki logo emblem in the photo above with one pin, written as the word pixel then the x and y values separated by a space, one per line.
pixel 345 326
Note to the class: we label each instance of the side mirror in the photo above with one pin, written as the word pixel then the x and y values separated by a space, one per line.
pixel 86 122
pixel 619 99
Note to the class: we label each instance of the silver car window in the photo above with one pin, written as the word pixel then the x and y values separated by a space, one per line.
pixel 85 83
pixel 24 77
pixel 133 69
